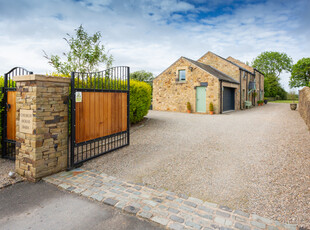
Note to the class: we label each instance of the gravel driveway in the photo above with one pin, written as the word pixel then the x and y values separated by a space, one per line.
pixel 256 160
pixel 5 167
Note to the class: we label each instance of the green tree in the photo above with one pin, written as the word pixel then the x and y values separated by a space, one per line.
pixel 273 88
pixel 142 75
pixel 300 73
pixel 272 63
pixel 85 55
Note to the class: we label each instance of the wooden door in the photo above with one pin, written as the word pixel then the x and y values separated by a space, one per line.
pixel 201 106
pixel 11 115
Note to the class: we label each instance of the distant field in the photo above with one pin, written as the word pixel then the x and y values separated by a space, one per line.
pixel 283 101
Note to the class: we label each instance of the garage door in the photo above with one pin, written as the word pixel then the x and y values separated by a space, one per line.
pixel 228 99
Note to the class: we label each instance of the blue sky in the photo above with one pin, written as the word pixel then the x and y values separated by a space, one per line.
pixel 152 34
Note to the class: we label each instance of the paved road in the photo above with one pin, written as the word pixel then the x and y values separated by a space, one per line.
pixel 256 160
pixel 43 206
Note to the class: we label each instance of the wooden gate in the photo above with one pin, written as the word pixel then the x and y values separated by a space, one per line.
pixel 8 118
pixel 99 113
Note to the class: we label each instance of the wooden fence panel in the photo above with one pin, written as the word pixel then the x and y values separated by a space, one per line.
pixel 100 114
pixel 11 115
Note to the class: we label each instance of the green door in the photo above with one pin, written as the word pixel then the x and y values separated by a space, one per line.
pixel 201 99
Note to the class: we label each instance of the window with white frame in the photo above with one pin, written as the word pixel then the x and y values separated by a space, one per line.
pixel 182 76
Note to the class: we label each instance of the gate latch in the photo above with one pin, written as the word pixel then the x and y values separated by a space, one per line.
pixel 8 107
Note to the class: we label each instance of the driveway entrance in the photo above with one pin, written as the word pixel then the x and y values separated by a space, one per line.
pixel 256 160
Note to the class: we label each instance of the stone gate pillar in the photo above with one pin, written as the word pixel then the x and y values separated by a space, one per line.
pixel 41 125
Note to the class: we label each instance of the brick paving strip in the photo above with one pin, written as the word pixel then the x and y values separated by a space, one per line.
pixel 173 211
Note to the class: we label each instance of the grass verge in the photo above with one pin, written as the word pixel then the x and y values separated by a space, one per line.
pixel 283 101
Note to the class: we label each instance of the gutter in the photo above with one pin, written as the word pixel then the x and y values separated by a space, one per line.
pixel 221 96
pixel 246 88
pixel 260 79
pixel 258 71
pixel 240 91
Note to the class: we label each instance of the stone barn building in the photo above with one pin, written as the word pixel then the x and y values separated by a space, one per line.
pixel 210 79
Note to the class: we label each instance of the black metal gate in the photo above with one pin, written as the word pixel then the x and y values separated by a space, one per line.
pixel 8 128
pixel 99 113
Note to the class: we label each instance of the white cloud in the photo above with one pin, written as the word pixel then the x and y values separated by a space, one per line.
pixel 151 35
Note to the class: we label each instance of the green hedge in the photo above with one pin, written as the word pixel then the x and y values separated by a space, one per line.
pixel 140 100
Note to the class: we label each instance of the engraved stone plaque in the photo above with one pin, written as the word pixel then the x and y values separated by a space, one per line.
pixel 25 121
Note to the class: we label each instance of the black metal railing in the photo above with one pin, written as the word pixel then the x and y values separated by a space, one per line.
pixel 8 77
pixel 110 80
pixel 7 145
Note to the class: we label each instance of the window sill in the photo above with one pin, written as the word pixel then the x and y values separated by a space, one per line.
pixel 180 82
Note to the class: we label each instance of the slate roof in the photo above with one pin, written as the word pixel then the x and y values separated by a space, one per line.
pixel 220 75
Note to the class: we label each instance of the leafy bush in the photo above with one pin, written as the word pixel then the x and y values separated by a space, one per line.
pixel 140 100
pixel 188 106
pixel 211 108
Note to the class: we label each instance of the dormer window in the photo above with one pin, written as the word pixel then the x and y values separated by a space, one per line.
pixel 182 76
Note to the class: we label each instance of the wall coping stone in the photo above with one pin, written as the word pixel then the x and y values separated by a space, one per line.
pixel 40 77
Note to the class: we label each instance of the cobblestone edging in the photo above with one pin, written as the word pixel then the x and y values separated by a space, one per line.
pixel 11 182
pixel 166 208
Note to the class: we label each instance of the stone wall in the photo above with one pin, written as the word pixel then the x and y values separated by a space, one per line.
pixel 243 65
pixel 169 94
pixel 304 105
pixel 244 84
pixel 229 69
pixel 258 77
pixel 259 85
pixel 42 150
pixel 221 64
